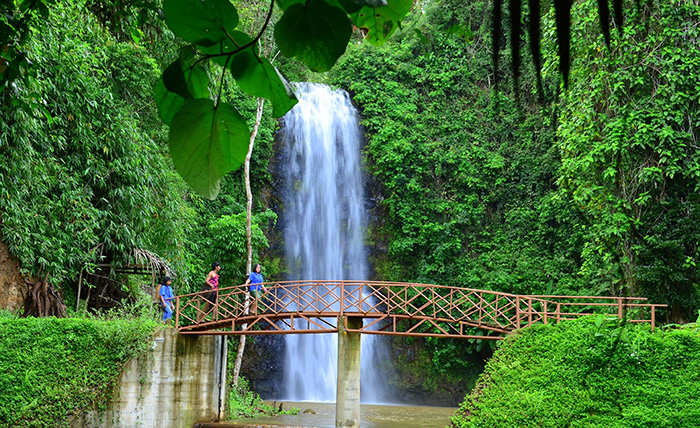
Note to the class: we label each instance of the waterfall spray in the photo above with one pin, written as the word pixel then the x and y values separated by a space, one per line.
pixel 325 221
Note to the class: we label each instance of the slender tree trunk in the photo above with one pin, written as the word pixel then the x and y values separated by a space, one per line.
pixel 248 230
pixel 80 284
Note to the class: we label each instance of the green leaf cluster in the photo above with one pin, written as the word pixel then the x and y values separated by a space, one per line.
pixel 208 137
pixel 630 160
pixel 588 373
pixel 465 175
pixel 228 243
pixel 245 403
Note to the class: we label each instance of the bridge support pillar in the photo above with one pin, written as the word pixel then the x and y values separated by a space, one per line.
pixel 347 406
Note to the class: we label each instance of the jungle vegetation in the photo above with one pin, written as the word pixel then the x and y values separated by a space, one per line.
pixel 592 192
pixel 479 179
pixel 591 372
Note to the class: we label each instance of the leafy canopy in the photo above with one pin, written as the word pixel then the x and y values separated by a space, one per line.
pixel 208 137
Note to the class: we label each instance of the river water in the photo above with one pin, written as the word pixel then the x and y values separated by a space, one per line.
pixel 371 416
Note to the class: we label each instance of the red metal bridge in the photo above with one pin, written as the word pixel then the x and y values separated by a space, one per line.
pixel 393 308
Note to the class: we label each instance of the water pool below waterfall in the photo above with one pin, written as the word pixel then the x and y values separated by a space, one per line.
pixel 372 416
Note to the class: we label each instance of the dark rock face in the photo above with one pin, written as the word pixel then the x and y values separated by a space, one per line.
pixel 411 380
pixel 418 381
pixel 263 365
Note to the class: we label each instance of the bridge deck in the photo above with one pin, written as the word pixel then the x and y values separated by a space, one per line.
pixel 392 308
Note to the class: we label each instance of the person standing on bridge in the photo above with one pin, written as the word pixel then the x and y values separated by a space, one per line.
pixel 255 279
pixel 166 297
pixel 212 283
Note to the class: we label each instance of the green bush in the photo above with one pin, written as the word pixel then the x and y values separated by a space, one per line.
pixel 592 372
pixel 52 368
pixel 244 403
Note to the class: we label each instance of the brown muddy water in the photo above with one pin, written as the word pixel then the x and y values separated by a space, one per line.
pixel 322 415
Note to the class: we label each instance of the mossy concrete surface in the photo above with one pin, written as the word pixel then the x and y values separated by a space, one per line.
pixel 177 384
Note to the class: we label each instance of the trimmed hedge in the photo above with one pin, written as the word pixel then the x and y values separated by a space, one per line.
pixel 52 368
pixel 592 372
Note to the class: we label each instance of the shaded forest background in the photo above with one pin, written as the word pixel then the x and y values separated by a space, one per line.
pixel 591 192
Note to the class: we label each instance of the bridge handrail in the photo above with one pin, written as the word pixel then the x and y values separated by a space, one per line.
pixel 493 310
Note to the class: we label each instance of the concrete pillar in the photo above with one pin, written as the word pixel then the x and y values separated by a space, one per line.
pixel 347 406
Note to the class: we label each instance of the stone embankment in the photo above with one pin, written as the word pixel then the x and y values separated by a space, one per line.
pixel 176 385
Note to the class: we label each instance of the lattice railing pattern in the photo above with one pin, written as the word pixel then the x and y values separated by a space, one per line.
pixel 390 308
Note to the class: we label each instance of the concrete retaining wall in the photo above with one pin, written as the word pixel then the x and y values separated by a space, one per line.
pixel 176 385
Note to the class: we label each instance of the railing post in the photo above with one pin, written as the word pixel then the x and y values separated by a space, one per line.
pixel 177 311
pixel 619 308
pixel 481 306
pixel 495 311
pixel 653 316
pixel 517 312
pixel 529 311
pixel 558 312
pixel 544 316
pixel 342 299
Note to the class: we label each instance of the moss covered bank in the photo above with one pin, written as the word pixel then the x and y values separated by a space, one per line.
pixel 593 372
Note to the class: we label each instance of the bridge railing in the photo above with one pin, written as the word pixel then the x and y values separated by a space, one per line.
pixel 435 305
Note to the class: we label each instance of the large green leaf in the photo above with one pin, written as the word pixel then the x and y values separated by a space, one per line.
pixel 229 46
pixel 317 34
pixel 202 22
pixel 352 6
pixel 206 142
pixel 181 80
pixel 284 4
pixel 382 21
pixel 349 6
pixel 168 103
pixel 188 81
pixel 257 76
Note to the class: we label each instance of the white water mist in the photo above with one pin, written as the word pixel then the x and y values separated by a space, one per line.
pixel 325 221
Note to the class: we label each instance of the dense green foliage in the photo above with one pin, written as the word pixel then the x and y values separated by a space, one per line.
pixel 468 174
pixel 85 171
pixel 630 157
pixel 592 192
pixel 592 372
pixel 229 243
pixel 52 368
pixel 244 403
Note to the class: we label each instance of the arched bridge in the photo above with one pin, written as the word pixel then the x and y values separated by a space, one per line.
pixel 299 307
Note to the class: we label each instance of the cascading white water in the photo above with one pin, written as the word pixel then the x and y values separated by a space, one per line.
pixel 324 217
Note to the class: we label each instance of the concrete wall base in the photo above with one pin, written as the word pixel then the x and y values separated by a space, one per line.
pixel 176 385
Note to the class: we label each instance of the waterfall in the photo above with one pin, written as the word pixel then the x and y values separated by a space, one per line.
pixel 324 221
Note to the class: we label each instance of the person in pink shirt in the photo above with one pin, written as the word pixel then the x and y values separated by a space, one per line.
pixel 212 283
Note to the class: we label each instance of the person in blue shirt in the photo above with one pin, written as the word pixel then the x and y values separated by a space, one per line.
pixel 255 279
pixel 166 297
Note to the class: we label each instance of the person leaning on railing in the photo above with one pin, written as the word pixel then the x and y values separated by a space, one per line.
pixel 255 279
pixel 212 283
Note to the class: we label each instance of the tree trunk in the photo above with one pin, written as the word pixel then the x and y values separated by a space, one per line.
pixel 248 230
pixel 42 300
